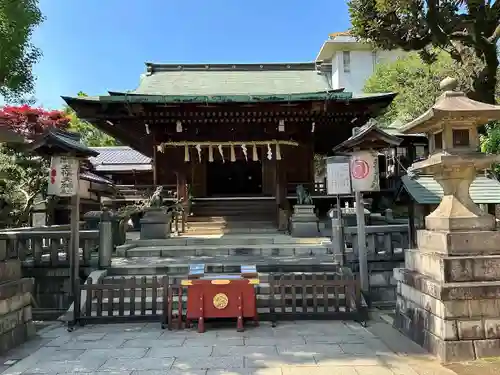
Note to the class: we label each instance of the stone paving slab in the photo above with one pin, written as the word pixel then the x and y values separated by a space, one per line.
pixel 291 348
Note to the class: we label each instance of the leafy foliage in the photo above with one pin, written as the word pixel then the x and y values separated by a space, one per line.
pixel 463 28
pixel 23 177
pixel 18 19
pixel 416 83
pixel 90 135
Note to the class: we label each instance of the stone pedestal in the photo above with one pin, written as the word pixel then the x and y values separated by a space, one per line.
pixel 304 222
pixel 448 294
pixel 155 224
pixel 16 325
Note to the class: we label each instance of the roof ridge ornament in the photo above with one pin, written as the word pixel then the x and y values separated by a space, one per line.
pixel 449 84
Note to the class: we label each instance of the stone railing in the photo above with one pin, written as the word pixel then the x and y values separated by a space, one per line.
pixel 383 242
pixel 46 246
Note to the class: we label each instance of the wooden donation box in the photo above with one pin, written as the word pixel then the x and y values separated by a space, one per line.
pixel 212 296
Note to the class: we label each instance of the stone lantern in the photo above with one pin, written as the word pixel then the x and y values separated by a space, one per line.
pixel 454 157
pixel 447 293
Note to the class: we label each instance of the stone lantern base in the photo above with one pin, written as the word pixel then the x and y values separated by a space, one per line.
pixel 448 294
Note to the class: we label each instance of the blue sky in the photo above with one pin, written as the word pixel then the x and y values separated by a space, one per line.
pixel 99 45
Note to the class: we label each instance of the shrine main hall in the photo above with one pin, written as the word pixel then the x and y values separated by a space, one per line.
pixel 232 130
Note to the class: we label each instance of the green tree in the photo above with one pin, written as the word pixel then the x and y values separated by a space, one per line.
pixel 416 83
pixel 91 136
pixel 18 19
pixel 460 27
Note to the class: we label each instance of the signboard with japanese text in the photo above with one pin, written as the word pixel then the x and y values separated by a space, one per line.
pixel 364 171
pixel 338 176
pixel 63 176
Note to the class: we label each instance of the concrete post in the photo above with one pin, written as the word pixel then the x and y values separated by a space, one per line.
pixel 337 235
pixel 105 239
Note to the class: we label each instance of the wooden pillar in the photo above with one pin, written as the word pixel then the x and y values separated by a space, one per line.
pixel 181 183
pixel 154 161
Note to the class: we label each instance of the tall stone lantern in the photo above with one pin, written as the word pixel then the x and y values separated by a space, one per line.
pixel 448 294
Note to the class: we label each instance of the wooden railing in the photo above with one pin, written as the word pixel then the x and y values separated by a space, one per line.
pixel 46 247
pixel 315 296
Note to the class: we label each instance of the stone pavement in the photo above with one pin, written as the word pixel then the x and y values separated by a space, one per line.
pixel 292 348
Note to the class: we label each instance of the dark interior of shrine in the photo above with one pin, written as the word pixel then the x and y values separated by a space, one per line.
pixel 238 178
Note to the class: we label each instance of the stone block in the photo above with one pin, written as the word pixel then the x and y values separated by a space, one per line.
pixel 487 348
pixel 155 225
pixel 446 268
pixel 11 288
pixel 14 303
pixel 445 350
pixel 470 329
pixel 10 270
pixel 18 335
pixel 449 291
pixel 492 328
pixel 459 243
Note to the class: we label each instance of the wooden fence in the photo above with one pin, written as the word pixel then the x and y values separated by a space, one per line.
pixel 285 296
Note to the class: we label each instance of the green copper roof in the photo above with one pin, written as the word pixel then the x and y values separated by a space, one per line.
pixel 426 190
pixel 232 79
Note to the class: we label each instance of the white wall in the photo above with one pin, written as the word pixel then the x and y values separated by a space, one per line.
pixel 362 66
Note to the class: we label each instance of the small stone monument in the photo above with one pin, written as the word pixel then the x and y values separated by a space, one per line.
pixel 304 222
pixel 156 223
pixel 448 294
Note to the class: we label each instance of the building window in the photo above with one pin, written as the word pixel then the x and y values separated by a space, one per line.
pixel 460 137
pixel 438 141
pixel 347 61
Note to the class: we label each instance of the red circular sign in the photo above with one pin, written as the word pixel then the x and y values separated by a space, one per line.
pixel 359 169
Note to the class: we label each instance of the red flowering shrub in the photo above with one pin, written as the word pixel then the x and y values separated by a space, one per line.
pixel 30 121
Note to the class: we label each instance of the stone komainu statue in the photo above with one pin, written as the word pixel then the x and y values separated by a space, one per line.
pixel 156 200
pixel 303 196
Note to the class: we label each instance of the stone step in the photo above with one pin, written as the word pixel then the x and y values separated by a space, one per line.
pixel 204 250
pixel 230 223
pixel 235 240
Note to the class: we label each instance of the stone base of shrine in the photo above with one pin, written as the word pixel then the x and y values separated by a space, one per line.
pixel 16 324
pixel 454 321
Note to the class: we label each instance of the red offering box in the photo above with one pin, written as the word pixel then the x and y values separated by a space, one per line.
pixel 226 296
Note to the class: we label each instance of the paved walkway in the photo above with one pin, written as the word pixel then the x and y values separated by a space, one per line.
pixel 305 348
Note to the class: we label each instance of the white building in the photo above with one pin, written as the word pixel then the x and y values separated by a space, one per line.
pixel 352 62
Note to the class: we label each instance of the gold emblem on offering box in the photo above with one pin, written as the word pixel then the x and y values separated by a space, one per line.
pixel 220 301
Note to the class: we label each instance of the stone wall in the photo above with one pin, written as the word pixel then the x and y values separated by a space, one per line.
pixel 16 324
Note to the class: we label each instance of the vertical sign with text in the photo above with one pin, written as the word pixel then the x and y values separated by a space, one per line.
pixel 63 176
pixel 338 176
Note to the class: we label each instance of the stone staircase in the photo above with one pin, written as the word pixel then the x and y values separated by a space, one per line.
pixel 237 215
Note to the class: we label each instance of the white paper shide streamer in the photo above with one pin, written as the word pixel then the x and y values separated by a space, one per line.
pixel 198 148
pixel 244 149
pixel 269 152
pixel 219 147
